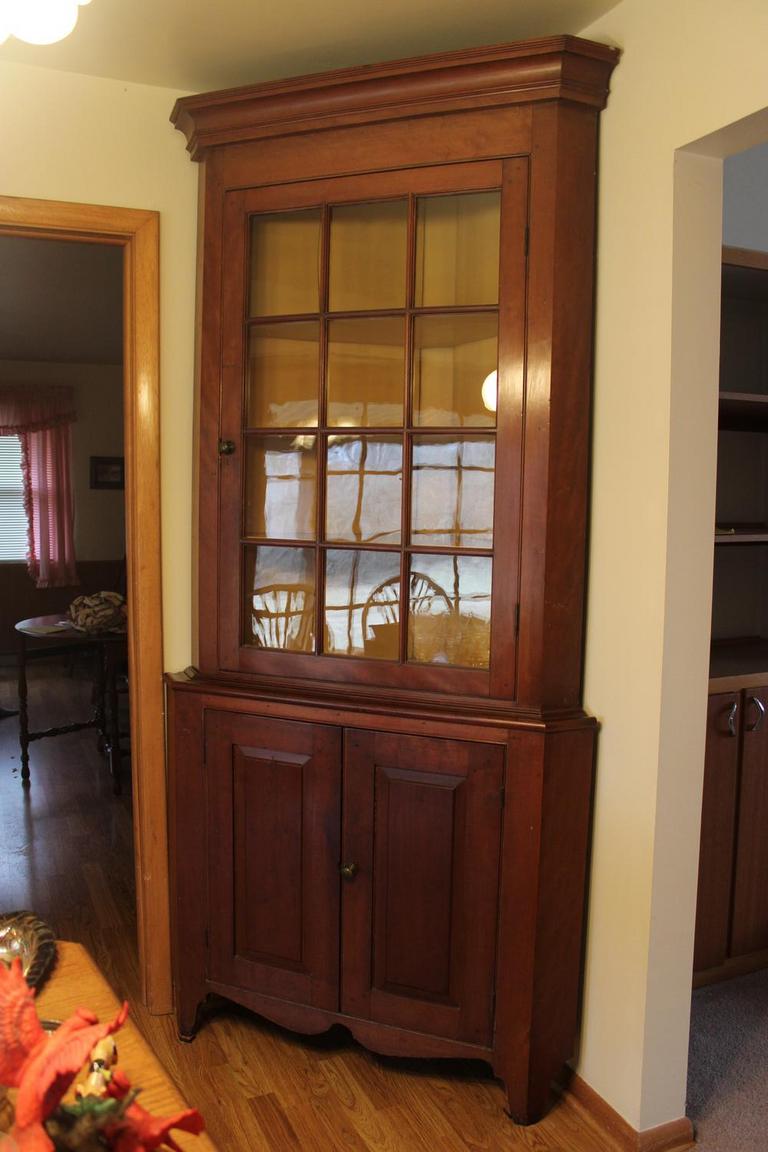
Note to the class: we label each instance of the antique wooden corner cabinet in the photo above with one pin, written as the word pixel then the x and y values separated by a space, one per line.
pixel 381 772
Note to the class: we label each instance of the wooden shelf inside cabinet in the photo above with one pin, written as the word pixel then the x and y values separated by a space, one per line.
pixel 737 663
pixel 741 534
pixel 743 412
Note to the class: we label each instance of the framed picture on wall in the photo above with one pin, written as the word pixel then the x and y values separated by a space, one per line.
pixel 107 472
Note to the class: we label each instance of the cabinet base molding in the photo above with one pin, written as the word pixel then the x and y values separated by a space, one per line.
pixel 735 966
pixel 619 1135
pixel 381 1038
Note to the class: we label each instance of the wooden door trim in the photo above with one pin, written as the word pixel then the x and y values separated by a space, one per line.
pixel 137 232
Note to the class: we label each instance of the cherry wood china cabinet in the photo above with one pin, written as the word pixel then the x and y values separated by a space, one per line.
pixel 381 771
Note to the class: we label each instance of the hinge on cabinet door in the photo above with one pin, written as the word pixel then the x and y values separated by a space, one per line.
pixel 517 618
pixel 527 240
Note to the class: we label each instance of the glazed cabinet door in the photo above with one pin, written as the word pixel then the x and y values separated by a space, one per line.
pixel 273 849
pixel 373 334
pixel 420 868
pixel 718 831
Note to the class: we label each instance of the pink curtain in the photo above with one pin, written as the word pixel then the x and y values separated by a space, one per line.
pixel 41 418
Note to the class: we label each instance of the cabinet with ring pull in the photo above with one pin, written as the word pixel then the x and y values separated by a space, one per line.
pixel 732 908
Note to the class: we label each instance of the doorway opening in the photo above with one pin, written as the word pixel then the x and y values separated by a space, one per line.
pixel 136 233
pixel 727 440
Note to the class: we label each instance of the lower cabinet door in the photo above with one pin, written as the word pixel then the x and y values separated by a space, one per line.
pixel 718 831
pixel 749 928
pixel 273 851
pixel 420 869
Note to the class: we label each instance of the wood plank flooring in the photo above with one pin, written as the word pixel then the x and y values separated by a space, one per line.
pixel 66 853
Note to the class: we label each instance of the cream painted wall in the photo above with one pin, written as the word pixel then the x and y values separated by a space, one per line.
pixel 688 69
pixel 88 140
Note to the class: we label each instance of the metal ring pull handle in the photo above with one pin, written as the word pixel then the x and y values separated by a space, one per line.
pixel 760 713
pixel 732 717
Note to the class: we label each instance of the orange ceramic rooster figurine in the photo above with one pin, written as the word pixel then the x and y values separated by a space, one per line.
pixel 42 1068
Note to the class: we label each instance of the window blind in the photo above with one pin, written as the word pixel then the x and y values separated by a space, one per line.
pixel 13 520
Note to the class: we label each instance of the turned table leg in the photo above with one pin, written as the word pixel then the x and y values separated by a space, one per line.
pixel 23 712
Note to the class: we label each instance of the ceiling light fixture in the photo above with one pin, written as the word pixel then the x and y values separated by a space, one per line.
pixel 38 21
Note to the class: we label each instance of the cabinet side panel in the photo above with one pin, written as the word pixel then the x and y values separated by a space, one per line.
pixel 547 815
pixel 718 829
pixel 207 489
pixel 188 849
pixel 556 439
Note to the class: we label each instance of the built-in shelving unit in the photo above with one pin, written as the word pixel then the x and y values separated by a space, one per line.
pixel 740 598
pixel 732 908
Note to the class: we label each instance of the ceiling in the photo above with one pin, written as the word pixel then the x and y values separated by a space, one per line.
pixel 203 45
pixel 60 301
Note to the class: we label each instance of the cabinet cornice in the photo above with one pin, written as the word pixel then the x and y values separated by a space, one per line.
pixel 562 68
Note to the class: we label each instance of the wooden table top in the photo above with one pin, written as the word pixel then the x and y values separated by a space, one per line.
pixel 76 982
pixel 56 626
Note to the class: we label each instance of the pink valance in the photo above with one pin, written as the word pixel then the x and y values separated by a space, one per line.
pixel 33 408
pixel 40 416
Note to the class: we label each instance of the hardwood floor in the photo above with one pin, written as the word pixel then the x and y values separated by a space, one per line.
pixel 67 854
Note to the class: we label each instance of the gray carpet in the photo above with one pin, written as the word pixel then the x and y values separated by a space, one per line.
pixel 728 1065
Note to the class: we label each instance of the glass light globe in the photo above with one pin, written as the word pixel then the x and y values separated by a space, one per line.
pixel 42 21
pixel 489 389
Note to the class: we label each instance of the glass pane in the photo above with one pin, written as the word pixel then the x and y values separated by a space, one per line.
pixel 283 373
pixel 366 365
pixel 452 504
pixel 279 598
pixel 449 617
pixel 452 356
pixel 285 263
pixel 457 249
pixel 368 256
pixel 364 488
pixel 280 487
pixel 362 604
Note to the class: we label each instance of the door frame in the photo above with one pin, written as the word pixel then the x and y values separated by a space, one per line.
pixel 137 232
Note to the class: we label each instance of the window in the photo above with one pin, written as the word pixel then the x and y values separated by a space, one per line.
pixel 13 520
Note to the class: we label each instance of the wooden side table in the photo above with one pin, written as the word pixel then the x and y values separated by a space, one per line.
pixel 58 637
pixel 76 982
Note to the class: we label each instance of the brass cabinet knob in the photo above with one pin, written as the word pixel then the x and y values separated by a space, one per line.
pixel 348 871
pixel 226 447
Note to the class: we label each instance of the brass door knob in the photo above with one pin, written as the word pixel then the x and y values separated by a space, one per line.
pixel 348 871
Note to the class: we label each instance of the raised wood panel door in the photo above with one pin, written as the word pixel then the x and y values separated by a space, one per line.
pixel 273 842
pixel 419 904
pixel 749 932
pixel 718 831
